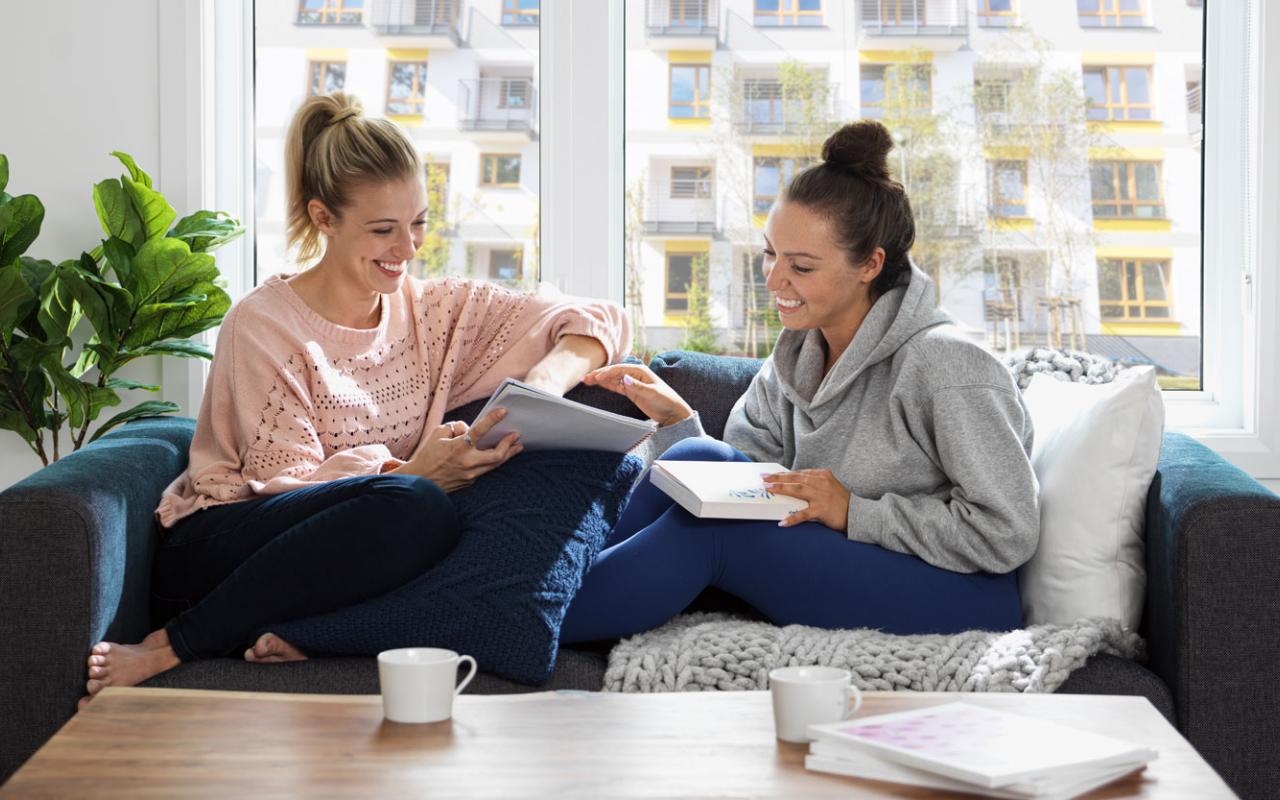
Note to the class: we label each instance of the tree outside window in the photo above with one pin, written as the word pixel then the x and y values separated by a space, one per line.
pixel 500 170
pixel 907 86
pixel 1118 93
pixel 690 91
pixel 407 87
pixel 1008 188
pixel 325 77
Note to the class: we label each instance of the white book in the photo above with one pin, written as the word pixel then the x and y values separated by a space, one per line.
pixel 723 489
pixel 836 760
pixel 982 746
pixel 547 421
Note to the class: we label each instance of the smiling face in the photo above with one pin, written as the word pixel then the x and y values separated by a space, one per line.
pixel 377 234
pixel 809 274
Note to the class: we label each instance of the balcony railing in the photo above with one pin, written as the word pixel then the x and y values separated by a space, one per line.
pixel 498 104
pixel 664 214
pixel 765 107
pixel 683 17
pixel 914 17
pixel 418 18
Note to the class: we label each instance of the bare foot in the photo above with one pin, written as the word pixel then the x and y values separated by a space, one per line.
pixel 112 664
pixel 271 649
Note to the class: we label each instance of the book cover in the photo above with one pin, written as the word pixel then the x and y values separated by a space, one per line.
pixel 723 489
pixel 547 421
pixel 983 746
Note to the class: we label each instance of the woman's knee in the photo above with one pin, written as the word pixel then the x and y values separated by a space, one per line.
pixel 414 516
pixel 701 448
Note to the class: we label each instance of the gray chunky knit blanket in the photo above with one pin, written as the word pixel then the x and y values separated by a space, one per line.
pixel 698 652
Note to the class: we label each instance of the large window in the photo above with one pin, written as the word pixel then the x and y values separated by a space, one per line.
pixel 771 175
pixel 1118 93
pixel 330 12
pixel 998 13
pixel 473 120
pixel 1134 290
pixel 690 183
pixel 679 276
pixel 1126 189
pixel 895 90
pixel 1008 188
pixel 788 12
pixel 690 91
pixel 407 87
pixel 1112 13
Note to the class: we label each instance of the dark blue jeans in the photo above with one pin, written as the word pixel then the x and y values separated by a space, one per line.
pixel 229 572
pixel 660 557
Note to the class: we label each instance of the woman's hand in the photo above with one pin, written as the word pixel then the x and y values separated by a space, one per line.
pixel 561 369
pixel 650 394
pixel 828 499
pixel 448 455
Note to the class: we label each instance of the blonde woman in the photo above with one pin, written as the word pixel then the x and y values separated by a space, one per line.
pixel 320 468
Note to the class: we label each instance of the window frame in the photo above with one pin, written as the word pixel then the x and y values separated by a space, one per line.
pixel 998 201
pixel 326 64
pixel 505 94
pixel 986 15
pixel 698 102
pixel 703 182
pixel 492 158
pixel 1115 13
pixel 328 10
pixel 1124 302
pixel 517 254
pixel 684 20
pixel 921 69
pixel 667 294
pixel 418 99
pixel 787 10
pixel 211 134
pixel 797 163
pixel 1130 181
pixel 1111 108
pixel 513 17
pixel 896 20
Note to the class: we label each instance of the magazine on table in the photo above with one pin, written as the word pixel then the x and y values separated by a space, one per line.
pixel 723 489
pixel 971 748
pixel 547 421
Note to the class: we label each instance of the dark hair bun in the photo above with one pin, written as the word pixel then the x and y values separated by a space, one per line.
pixel 860 147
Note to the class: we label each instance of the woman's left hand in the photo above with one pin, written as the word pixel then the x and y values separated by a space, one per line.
pixel 828 499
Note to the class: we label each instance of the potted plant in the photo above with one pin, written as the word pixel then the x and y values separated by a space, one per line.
pixel 148 287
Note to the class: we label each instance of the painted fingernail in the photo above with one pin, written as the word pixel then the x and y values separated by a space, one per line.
pixel 627 380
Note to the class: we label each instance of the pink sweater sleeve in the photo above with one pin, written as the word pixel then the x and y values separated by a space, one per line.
pixel 515 331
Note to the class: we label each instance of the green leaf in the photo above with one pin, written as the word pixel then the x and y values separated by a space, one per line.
pixel 11 420
pixel 28 353
pixel 207 230
pixel 20 221
pixel 4 171
pixel 95 307
pixel 117 297
pixel 120 255
pixel 134 170
pixel 149 408
pixel 95 352
pixel 181 348
pixel 181 301
pixel 120 383
pixel 154 210
pixel 74 392
pixel 16 298
pixel 166 268
pixel 181 321
pixel 116 212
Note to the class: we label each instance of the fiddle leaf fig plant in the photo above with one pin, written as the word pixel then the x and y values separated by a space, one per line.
pixel 145 290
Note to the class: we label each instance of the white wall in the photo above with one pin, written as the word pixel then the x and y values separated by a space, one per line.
pixel 82 82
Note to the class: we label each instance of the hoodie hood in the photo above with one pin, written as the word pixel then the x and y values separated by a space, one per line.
pixel 902 312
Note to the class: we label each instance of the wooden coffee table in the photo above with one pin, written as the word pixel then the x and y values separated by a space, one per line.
pixel 172 742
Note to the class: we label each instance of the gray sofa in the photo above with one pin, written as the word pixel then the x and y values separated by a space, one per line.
pixel 76 542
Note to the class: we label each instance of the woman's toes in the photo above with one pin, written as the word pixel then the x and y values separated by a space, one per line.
pixel 94 686
pixel 97 661
pixel 82 702
pixel 97 672
pixel 101 649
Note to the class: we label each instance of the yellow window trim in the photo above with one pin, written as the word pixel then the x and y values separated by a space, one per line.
pixel 1141 328
pixel 673 320
pixel 326 54
pixel 1150 253
pixel 688 56
pixel 1126 153
pixel 1132 225
pixel 695 122
pixel 407 120
pixel 1012 223
pixel 784 151
pixel 1006 153
pixel 1125 126
pixel 1122 59
pixel 895 56
pixel 686 246
pixel 406 54
pixel 758 220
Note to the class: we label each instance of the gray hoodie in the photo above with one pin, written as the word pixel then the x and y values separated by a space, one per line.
pixel 926 430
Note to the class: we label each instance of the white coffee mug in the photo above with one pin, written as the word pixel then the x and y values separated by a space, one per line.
pixel 804 696
pixel 418 683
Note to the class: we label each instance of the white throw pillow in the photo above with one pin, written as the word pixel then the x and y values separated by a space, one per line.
pixel 1095 453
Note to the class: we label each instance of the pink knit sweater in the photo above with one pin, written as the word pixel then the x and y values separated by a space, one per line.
pixel 294 400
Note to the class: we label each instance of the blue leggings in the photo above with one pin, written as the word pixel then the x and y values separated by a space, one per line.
pixel 225 573
pixel 660 557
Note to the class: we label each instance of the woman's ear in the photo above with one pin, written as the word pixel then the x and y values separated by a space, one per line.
pixel 872 266
pixel 321 217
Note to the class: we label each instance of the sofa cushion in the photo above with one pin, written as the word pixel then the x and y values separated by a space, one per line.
pixel 529 531
pixel 1094 454
pixel 710 384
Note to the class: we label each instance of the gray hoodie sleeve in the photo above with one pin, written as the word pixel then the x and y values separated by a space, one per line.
pixel 989 520
pixel 753 425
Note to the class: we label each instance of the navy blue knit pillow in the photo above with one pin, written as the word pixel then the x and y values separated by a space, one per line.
pixel 530 530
